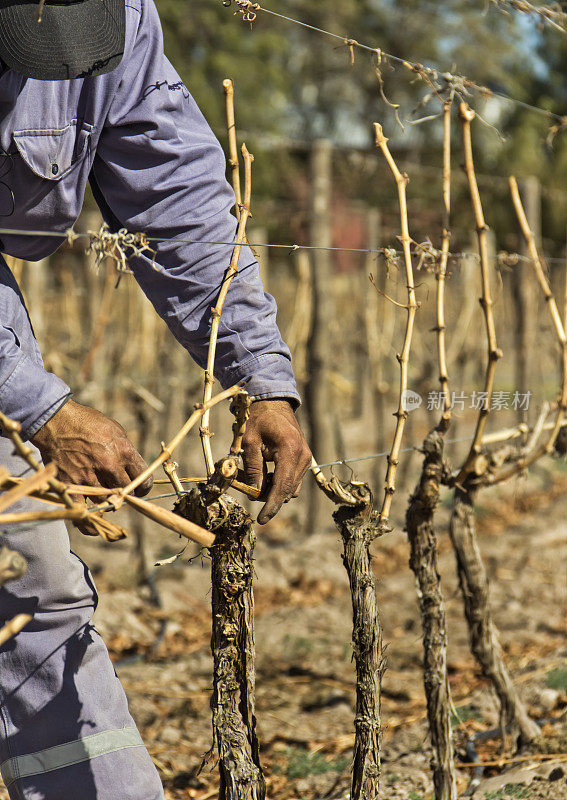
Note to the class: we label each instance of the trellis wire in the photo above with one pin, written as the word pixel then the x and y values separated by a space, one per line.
pixel 371 456
pixel 504 257
pixel 337 463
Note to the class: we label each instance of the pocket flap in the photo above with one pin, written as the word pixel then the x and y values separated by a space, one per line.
pixel 52 153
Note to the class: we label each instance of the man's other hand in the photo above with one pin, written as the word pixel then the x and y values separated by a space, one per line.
pixel 273 435
pixel 89 448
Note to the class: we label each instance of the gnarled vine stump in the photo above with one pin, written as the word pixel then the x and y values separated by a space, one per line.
pixel 483 634
pixel 423 561
pixel 232 643
pixel 358 529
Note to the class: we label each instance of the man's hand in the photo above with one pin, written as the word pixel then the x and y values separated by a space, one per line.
pixel 272 434
pixel 89 448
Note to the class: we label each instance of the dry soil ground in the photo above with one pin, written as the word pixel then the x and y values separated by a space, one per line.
pixel 305 675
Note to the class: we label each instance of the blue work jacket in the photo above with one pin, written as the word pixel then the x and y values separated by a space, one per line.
pixel 154 166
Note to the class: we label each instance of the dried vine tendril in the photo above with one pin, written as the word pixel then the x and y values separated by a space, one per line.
pixel 247 8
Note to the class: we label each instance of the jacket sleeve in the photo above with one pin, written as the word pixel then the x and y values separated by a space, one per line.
pixel 28 393
pixel 159 169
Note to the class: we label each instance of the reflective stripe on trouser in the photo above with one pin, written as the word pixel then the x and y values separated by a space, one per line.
pixel 67 755
pixel 60 697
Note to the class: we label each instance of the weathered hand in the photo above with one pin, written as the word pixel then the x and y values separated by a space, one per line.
pixel 273 435
pixel 89 448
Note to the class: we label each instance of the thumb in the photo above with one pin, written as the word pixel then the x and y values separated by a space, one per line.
pixel 253 462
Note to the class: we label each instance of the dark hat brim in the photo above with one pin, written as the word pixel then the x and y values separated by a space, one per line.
pixel 73 40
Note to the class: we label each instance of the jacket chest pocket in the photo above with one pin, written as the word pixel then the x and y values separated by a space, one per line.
pixel 52 153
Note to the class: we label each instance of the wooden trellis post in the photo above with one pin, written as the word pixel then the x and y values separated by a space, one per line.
pixel 318 389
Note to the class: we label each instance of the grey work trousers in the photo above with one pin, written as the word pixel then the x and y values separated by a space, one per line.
pixel 65 729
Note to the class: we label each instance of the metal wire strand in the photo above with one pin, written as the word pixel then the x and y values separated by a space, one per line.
pixel 503 258
pixel 459 82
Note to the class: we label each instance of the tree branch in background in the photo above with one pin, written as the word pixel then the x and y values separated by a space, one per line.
pixel 319 356
pixel 300 325
pixel 554 15
pixel 379 325
pixel 101 323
